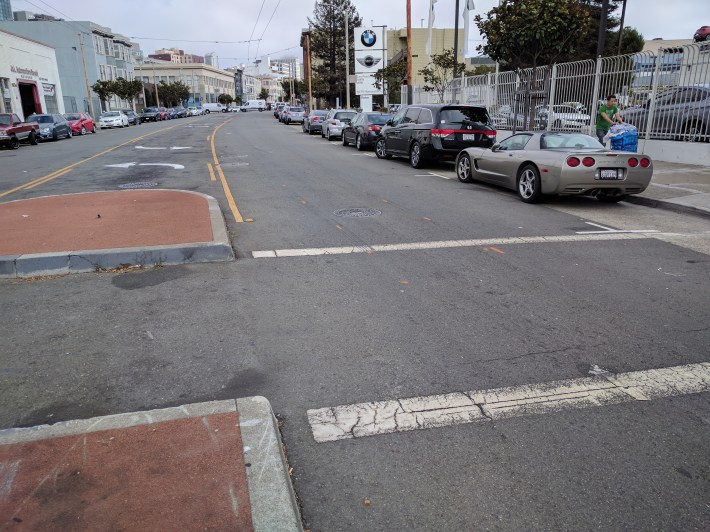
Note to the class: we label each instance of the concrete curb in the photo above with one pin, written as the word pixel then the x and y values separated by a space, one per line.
pixel 57 263
pixel 272 500
pixel 667 205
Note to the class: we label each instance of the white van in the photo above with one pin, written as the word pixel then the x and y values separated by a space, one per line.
pixel 253 105
pixel 214 108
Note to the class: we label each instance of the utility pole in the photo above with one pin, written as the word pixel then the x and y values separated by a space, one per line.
pixel 86 76
pixel 155 82
pixel 601 43
pixel 409 52
pixel 456 41
pixel 621 26
pixel 347 62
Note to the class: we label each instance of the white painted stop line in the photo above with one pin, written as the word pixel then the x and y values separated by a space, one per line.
pixel 386 417
pixel 408 246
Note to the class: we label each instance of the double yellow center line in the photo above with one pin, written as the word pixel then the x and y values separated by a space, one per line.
pixel 227 192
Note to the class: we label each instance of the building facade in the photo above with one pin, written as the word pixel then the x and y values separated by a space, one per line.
pixel 212 60
pixel 206 83
pixel 175 55
pixel 86 52
pixel 5 10
pixel 29 77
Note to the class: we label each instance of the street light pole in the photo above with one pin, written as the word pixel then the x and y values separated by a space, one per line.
pixel 409 52
pixel 86 76
pixel 347 62
pixel 601 43
pixel 621 26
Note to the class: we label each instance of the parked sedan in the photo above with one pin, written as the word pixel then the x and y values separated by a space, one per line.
pixel 277 109
pixel 52 126
pixel 364 129
pixel 113 119
pixel 539 163
pixel 80 123
pixel 563 117
pixel 314 121
pixel 294 114
pixel 681 113
pixel 150 114
pixel 133 118
pixel 179 111
pixel 163 113
pixel 434 132
pixel 335 121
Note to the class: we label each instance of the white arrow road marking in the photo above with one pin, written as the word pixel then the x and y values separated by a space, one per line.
pixel 122 165
pixel 196 126
pixel 444 244
pixel 606 230
pixel 128 165
pixel 175 166
pixel 181 147
pixel 384 417
pixel 149 148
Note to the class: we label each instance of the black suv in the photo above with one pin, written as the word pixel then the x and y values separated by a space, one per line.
pixel 435 132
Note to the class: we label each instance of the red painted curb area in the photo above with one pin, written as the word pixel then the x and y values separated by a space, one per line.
pixel 103 220
pixel 172 475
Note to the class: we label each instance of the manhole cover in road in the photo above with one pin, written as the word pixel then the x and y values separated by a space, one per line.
pixel 356 212
pixel 139 184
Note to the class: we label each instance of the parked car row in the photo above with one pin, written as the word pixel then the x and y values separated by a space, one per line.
pixel 156 114
pixel 533 163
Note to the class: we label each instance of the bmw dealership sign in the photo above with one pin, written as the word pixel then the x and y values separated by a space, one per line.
pixel 370 56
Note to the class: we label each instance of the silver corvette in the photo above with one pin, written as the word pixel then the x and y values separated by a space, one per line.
pixel 540 163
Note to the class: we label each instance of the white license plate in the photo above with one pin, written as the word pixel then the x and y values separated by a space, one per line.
pixel 609 173
pixel 469 136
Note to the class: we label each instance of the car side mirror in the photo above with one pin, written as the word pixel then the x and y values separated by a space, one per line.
pixel 496 147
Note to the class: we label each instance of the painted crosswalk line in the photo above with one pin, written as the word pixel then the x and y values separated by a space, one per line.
pixel 409 246
pixel 602 389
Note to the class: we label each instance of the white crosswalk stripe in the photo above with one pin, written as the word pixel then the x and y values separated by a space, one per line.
pixel 408 246
pixel 386 417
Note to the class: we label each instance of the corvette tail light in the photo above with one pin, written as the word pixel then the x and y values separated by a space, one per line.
pixel 633 162
pixel 588 161
pixel 373 128
pixel 441 133
pixel 573 162
pixel 645 163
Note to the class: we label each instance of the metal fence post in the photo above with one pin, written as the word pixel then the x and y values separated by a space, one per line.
pixel 553 83
pixel 654 89
pixel 595 96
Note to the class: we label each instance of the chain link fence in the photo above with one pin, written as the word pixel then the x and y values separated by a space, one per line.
pixel 665 95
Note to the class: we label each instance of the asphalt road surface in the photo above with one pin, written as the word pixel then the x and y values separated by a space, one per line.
pixel 472 306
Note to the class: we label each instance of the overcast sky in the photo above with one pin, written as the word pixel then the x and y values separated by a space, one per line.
pixel 278 23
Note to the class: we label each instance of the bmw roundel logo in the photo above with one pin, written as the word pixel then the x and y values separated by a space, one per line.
pixel 368 38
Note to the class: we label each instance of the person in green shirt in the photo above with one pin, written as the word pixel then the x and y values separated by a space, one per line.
pixel 606 116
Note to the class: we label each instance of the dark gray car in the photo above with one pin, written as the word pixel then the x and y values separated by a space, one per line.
pixel 681 113
pixel 51 126
pixel 314 121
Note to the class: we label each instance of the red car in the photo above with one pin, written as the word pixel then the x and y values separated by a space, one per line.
pixel 164 114
pixel 703 34
pixel 80 123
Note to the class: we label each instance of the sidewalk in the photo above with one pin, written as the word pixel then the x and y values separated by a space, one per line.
pixel 677 187
pixel 103 230
pixel 212 466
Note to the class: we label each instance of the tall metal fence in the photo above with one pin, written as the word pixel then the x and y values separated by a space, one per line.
pixel 665 95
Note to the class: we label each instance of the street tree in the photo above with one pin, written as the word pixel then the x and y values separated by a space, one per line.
pixel 127 90
pixel 300 88
pixel 104 90
pixel 631 42
pixel 392 76
pixel 173 93
pixel 532 33
pixel 439 73
pixel 327 35
pixel 225 99
pixel 264 94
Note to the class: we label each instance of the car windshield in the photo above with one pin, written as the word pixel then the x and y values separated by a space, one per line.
pixel 73 117
pixel 112 114
pixel 5 120
pixel 42 119
pixel 462 117
pixel 296 109
pixel 378 119
pixel 319 113
pixel 150 110
pixel 577 141
pixel 344 115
